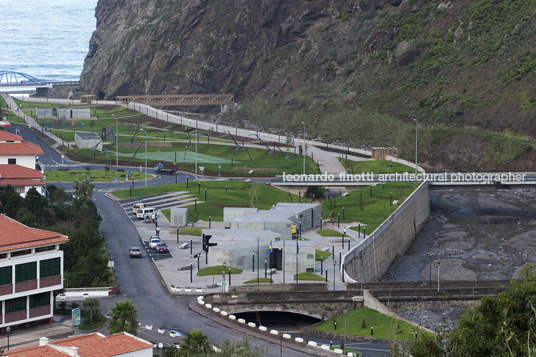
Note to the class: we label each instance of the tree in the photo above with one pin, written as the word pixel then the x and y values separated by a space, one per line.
pixel 123 318
pixel 240 348
pixel 92 306
pixel 83 188
pixel 195 343
pixel 504 325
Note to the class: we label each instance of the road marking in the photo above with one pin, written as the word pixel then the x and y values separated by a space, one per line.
pixel 368 349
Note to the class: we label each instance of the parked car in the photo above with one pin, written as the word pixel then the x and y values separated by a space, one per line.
pixel 145 212
pixel 161 248
pixel 153 241
pixel 134 252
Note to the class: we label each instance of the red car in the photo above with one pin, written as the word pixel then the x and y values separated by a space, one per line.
pixel 161 248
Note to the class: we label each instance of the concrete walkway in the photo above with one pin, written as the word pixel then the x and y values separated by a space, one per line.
pixel 62 327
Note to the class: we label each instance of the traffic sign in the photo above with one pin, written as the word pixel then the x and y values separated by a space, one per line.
pixel 116 179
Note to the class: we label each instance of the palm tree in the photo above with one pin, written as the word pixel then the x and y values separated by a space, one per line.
pixel 123 318
pixel 83 188
pixel 195 343
pixel 93 307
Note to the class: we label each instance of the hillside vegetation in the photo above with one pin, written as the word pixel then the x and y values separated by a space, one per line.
pixel 356 72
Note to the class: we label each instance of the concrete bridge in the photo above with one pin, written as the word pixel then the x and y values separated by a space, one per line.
pixel 316 301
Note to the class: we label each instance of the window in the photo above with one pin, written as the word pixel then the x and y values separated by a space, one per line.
pixel 40 299
pixel 12 161
pixel 21 252
pixel 49 267
pixel 16 304
pixel 3 256
pixel 25 272
pixel 5 275
pixel 45 249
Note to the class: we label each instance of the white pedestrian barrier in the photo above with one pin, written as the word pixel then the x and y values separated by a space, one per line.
pixel 198 290
pixel 262 328
pixel 161 331
pixel 325 347
pixel 274 332
pixel 312 343
pixel 200 302
pixel 338 350
pixel 287 336
pixel 208 306
pixel 242 321
pixel 187 290
pixel 216 309
pixel 149 327
pixel 251 324
pixel 224 313
pixel 232 317
pixel 298 339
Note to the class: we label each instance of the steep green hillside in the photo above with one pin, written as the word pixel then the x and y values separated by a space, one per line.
pixel 356 72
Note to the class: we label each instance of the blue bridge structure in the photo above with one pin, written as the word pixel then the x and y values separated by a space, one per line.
pixel 13 79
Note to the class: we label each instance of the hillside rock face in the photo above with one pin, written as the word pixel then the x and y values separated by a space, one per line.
pixel 192 46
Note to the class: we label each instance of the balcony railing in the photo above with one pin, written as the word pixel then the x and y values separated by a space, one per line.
pixel 6 289
pixel 26 285
pixel 49 281
pixel 15 316
pixel 40 311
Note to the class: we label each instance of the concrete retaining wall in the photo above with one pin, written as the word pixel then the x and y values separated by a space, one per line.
pixel 370 259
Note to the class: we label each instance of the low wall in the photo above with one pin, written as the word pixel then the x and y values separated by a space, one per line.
pixel 370 259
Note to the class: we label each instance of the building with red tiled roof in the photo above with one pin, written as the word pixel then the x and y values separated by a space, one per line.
pixel 19 164
pixel 93 345
pixel 31 269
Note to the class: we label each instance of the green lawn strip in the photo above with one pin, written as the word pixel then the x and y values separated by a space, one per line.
pixel 261 281
pixel 64 134
pixel 217 269
pixel 189 231
pixel 375 166
pixel 94 175
pixel 239 194
pixel 321 255
pixel 310 277
pixel 233 160
pixel 384 326
pixel 98 321
pixel 328 232
pixel 368 210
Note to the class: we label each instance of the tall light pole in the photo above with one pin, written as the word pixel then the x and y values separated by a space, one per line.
pixel 438 265
pixel 8 330
pixel 304 146
pixel 145 156
pixel 116 143
pixel 196 141
pixel 416 142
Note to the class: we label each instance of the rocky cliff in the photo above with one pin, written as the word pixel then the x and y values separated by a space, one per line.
pixel 358 71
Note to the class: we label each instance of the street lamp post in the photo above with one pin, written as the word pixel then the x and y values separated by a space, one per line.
pixel 304 146
pixel 334 264
pixel 416 142
pixel 438 265
pixel 345 313
pixel 8 330
pixel 145 156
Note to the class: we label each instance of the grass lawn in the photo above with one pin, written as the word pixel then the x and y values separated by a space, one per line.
pixel 328 232
pixel 189 231
pixel 359 206
pixel 217 269
pixel 375 166
pixel 384 326
pixel 64 134
pixel 321 255
pixel 94 175
pixel 261 281
pixel 309 276
pixel 239 194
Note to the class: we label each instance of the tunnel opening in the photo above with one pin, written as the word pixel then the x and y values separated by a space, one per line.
pixel 278 320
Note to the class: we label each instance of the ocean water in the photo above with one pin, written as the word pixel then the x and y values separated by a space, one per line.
pixel 47 39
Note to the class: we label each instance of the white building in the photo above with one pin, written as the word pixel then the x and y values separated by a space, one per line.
pixel 14 150
pixel 92 345
pixel 88 140
pixel 31 268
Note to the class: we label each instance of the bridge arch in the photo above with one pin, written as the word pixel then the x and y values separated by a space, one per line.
pixel 11 78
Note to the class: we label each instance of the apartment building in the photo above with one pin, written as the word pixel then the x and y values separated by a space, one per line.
pixel 31 268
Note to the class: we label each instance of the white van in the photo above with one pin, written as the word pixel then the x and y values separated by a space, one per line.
pixel 144 212
pixel 137 206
